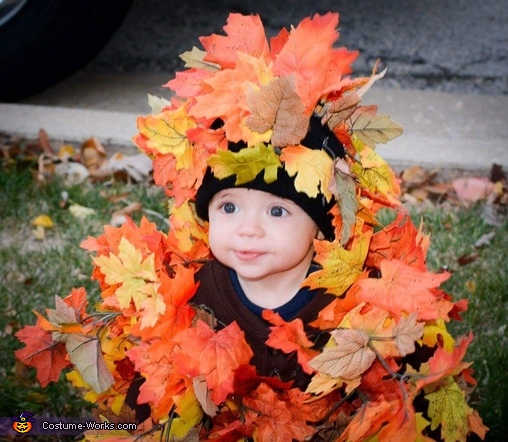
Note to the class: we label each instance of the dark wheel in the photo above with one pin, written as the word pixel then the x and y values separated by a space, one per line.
pixel 44 41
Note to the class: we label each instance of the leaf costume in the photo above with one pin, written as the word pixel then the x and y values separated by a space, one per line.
pixel 389 369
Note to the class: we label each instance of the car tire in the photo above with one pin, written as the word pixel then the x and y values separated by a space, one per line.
pixel 48 40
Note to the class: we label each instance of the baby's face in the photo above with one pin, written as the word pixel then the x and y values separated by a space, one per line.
pixel 260 235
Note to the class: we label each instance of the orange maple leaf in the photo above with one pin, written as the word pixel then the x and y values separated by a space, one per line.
pixel 273 420
pixel 399 240
pixel 308 45
pixel 42 352
pixel 290 337
pixel 215 355
pixel 443 364
pixel 245 34
pixel 403 289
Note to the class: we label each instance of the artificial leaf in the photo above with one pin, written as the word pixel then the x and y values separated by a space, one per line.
pixel 166 133
pixel 400 240
pixel 246 164
pixel 189 414
pixel 196 59
pixel 348 358
pixel 340 267
pixel 406 332
pixel 86 355
pixel 310 44
pixel 343 187
pixel 274 422
pixel 403 289
pixel 245 34
pixel 225 98
pixel 215 355
pixel 313 169
pixel 42 352
pixel 189 83
pixel 448 408
pixel 372 128
pixel 130 270
pixel 443 364
pixel 290 337
pixel 435 333
pixel 277 106
pixel 374 174
pixel 203 396
pixel 337 111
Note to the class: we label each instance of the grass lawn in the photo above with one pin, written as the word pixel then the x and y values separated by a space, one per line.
pixel 32 272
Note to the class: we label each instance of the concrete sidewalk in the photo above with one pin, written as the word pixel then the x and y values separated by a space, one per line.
pixel 440 130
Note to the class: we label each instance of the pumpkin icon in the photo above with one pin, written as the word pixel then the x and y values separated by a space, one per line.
pixel 23 423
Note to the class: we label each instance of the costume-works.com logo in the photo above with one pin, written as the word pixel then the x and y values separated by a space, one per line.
pixel 23 422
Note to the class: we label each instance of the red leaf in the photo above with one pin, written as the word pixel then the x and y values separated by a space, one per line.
pixel 216 355
pixel 290 337
pixel 42 352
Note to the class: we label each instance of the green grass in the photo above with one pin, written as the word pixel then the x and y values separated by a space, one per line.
pixel 32 272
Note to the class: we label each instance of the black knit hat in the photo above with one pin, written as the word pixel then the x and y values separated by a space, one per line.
pixel 318 137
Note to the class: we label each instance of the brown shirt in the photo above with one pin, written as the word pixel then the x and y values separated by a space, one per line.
pixel 216 292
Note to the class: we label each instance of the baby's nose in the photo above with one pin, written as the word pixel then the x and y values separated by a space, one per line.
pixel 251 226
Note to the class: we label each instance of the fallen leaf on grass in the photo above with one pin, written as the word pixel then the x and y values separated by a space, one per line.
pixel 93 153
pixel 136 167
pixel 485 239
pixel 472 189
pixel 41 223
pixel 80 212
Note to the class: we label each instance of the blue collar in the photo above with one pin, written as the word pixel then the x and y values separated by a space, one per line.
pixel 287 311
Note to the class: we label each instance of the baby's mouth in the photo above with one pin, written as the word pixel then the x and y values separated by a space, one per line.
pixel 248 255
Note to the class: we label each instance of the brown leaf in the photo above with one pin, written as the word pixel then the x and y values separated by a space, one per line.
pixel 203 395
pixel 406 332
pixel 339 110
pixel 93 153
pixel 278 106
pixel 349 358
pixel 44 142
pixel 416 176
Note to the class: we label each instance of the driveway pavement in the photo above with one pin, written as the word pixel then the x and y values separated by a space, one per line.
pixel 447 80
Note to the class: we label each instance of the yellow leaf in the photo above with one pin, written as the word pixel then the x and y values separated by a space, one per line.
pixel 435 332
pixel 43 221
pixel 278 106
pixel 80 212
pixel 341 267
pixel 189 413
pixel 374 173
pixel 130 270
pixel 167 133
pixel 185 226
pixel 313 169
pixel 246 164
pixel 448 408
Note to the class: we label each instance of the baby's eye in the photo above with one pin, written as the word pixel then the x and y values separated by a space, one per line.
pixel 278 211
pixel 229 208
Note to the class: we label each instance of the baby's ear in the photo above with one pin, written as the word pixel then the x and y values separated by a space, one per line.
pixel 319 235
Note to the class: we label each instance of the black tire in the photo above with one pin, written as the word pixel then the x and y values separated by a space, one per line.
pixel 48 40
